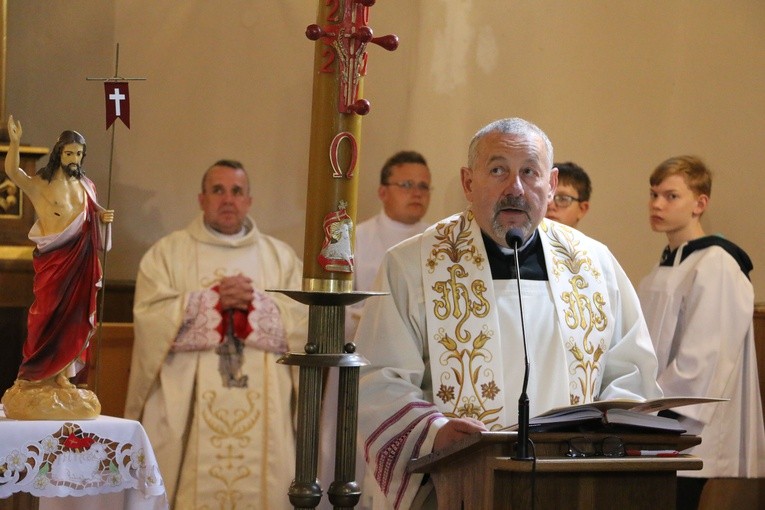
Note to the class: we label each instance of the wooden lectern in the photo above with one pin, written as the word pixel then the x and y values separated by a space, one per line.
pixel 479 473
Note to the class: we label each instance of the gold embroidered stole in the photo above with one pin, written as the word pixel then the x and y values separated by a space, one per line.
pixel 464 338
pixel 462 322
pixel 581 301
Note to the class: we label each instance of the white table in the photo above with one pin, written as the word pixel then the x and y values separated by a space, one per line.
pixel 103 463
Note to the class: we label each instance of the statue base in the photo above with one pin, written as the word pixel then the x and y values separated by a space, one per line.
pixel 50 399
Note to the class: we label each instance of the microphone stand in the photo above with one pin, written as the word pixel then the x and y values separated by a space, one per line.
pixel 522 446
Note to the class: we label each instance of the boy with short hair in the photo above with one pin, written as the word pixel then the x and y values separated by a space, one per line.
pixel 572 196
pixel 698 304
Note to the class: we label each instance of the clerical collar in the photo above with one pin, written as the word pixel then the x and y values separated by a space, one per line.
pixel 531 259
pixel 668 256
pixel 221 235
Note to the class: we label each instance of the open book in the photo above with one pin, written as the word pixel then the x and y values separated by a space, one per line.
pixel 615 414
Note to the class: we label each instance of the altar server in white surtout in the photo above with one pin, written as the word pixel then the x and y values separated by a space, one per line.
pixel 204 379
pixel 445 346
pixel 698 303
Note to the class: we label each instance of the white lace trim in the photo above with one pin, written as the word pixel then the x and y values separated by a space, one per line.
pixel 200 322
pixel 267 327
pixel 199 330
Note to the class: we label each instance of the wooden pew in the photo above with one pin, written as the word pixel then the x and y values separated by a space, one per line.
pixel 110 385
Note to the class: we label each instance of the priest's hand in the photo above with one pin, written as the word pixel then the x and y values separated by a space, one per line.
pixel 235 292
pixel 456 429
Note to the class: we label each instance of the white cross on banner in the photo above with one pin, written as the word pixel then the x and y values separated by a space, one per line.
pixel 117 102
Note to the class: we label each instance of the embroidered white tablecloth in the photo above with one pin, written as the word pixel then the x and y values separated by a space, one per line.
pixel 105 456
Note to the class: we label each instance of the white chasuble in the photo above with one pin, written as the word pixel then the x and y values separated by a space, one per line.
pixel 217 446
pixel 237 438
pixel 235 431
pixel 470 358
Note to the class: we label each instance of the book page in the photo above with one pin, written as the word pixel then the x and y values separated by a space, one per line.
pixel 643 406
pixel 660 404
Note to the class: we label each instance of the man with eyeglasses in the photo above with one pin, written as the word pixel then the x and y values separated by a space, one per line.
pixel 572 196
pixel 446 347
pixel 404 192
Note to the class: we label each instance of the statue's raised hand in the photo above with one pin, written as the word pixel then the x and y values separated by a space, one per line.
pixel 14 130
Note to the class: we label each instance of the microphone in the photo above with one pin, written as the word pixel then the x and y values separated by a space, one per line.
pixel 514 238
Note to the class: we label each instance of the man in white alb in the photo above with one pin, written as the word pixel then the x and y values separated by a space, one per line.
pixel 698 304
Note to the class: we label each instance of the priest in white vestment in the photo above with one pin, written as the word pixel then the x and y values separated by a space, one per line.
pixel 204 380
pixel 698 303
pixel 446 348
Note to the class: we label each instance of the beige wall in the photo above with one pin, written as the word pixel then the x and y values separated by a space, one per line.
pixel 619 85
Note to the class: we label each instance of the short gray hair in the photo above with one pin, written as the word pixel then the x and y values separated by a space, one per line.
pixel 509 126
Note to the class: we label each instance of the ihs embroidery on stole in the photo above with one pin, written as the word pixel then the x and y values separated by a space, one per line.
pixel 470 376
pixel 578 286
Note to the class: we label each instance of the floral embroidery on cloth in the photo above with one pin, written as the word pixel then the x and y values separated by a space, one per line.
pixel 583 310
pixel 73 462
pixel 198 330
pixel 462 324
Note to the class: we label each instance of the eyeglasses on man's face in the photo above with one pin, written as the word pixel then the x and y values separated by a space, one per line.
pixel 410 186
pixel 611 446
pixel 564 200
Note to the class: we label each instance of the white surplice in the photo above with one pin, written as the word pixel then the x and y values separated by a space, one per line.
pixel 374 237
pixel 699 312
